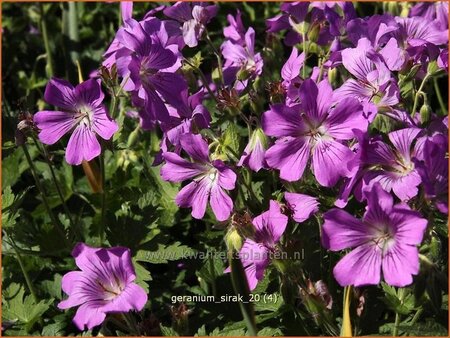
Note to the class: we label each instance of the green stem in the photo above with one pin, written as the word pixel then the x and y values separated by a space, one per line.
pixel 304 51
pixel 439 97
pixel 418 93
pixel 24 272
pixel 55 221
pixel 55 181
pixel 50 68
pixel 131 323
pixel 203 79
pixel 401 294
pixel 219 59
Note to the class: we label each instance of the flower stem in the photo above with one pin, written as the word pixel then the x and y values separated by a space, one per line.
pixel 55 221
pixel 55 181
pixel 219 59
pixel 49 68
pixel 203 79
pixel 401 295
pixel 24 271
pixel 439 97
pixel 418 93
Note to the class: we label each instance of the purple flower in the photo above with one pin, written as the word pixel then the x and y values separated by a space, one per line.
pixel 253 156
pixel 434 171
pixel 290 73
pixel 235 32
pixel 147 65
pixel 241 62
pixel 435 10
pixel 194 16
pixel 302 206
pixel 384 240
pixel 210 178
pixel 393 166
pixel 314 128
pixel 374 84
pixel 82 112
pixel 255 253
pixel 104 285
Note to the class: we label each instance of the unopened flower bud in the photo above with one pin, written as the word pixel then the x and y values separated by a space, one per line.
pixel 313 34
pixel 233 240
pixel 332 75
pixel 425 113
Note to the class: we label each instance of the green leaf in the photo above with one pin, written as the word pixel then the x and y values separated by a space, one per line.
pixel 142 275
pixel 168 331
pixel 164 254
pixel 25 310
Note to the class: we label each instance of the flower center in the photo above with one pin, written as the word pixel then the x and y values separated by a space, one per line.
pixel 384 239
pixel 111 289
pixel 84 115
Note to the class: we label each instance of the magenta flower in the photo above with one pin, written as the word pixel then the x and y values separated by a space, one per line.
pixel 301 205
pixel 313 129
pixel 253 156
pixel 434 171
pixel 193 16
pixel 104 285
pixel 210 178
pixel 384 240
pixel 147 65
pixel 241 62
pixel 255 253
pixel 82 112
pixel 374 85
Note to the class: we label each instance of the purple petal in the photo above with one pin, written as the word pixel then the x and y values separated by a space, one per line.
pixel 195 196
pixel 346 117
pixel 302 205
pixel 89 315
pixel 83 146
pixel 330 160
pixel 341 230
pixel 399 264
pixel 221 203
pixel 195 146
pixel 362 266
pixel 291 69
pixel 282 120
pixel 290 156
pixel 177 169
pixel 102 124
pixel 60 93
pixel 89 93
pixel 53 125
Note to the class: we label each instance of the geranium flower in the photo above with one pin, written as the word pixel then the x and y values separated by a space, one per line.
pixel 384 240
pixel 313 129
pixel 194 16
pixel 301 205
pixel 82 112
pixel 434 171
pixel 104 285
pixel 148 67
pixel 374 84
pixel 210 178
pixel 255 252
pixel 253 156
pixel 241 62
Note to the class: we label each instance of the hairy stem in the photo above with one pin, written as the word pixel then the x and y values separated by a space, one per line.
pixel 55 221
pixel 50 68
